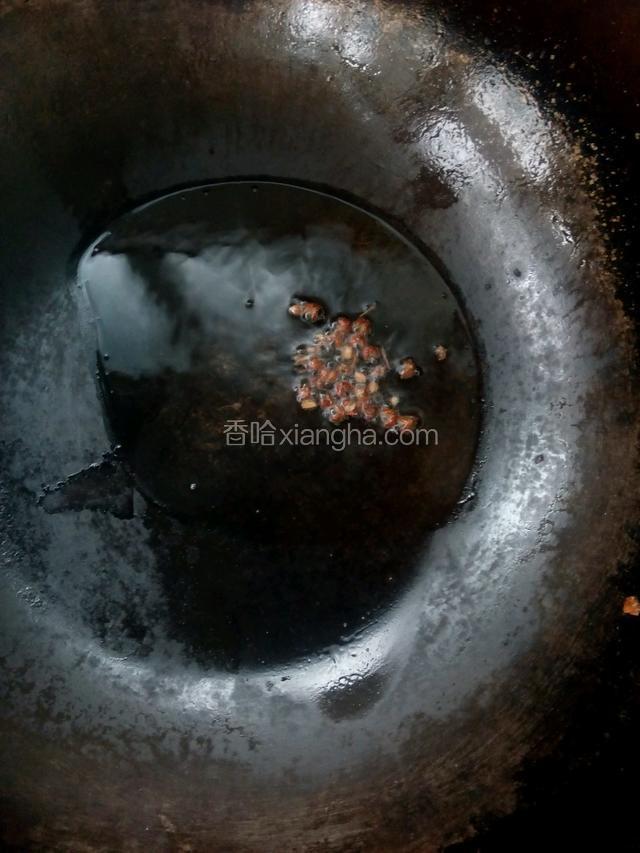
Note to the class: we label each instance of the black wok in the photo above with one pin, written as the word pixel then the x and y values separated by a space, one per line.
pixel 121 729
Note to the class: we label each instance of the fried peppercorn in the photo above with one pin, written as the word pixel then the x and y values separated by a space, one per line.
pixel 342 371
pixel 310 312
pixel 408 369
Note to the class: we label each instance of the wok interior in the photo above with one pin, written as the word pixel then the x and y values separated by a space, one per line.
pixel 375 745
pixel 269 549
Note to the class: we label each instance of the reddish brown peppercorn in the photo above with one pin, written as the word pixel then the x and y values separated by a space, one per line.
pixel 408 369
pixel 304 393
pixel 440 353
pixel 336 414
pixel 342 324
pixel 371 353
pixel 362 326
pixel 358 340
pixel 310 312
pixel 315 363
pixel 388 417
pixel 406 423
pixel 368 410
pixel 327 376
pixel 343 388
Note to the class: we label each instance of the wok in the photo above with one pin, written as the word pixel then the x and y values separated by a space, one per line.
pixel 120 729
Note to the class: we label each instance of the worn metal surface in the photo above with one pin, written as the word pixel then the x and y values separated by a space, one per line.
pixel 146 749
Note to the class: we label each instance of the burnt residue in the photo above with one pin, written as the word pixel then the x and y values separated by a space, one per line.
pixel 104 486
pixel 431 189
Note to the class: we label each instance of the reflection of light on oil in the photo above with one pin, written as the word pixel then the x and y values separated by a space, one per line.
pixel 352 36
pixel 559 328
pixel 298 683
pixel 313 20
pixel 120 300
pixel 449 147
pixel 516 118
pixel 355 45
pixel 562 229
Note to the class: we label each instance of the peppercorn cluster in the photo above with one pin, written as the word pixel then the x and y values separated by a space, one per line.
pixel 342 371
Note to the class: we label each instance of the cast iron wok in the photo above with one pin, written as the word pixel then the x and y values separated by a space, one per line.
pixel 407 732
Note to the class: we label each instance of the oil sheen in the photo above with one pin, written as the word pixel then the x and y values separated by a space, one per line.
pixel 271 549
